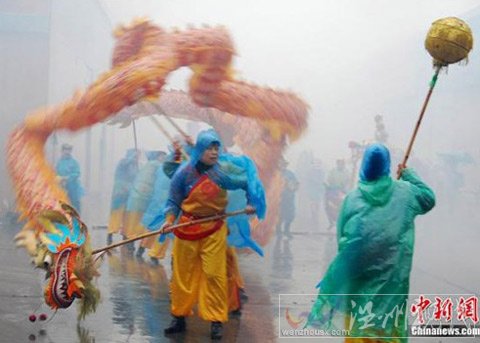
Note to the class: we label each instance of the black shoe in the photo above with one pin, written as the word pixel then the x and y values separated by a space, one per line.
pixel 243 296
pixel 109 239
pixel 216 330
pixel 140 252
pixel 131 247
pixel 176 326
pixel 154 261
pixel 235 313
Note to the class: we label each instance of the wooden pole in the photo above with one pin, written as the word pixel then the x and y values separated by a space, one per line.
pixel 171 121
pixel 169 229
pixel 169 137
pixel 419 121
pixel 161 128
pixel 135 142
pixel 177 127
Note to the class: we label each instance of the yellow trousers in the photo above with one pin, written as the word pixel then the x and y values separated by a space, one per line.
pixel 115 224
pixel 133 224
pixel 235 280
pixel 200 277
pixel 155 248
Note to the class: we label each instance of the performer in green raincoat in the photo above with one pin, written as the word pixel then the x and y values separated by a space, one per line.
pixel 366 287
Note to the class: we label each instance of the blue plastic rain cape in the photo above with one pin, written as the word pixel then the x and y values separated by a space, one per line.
pixel 125 174
pixel 158 200
pixel 68 168
pixel 239 226
pixel 230 173
pixel 375 249
pixel 154 154
pixel 142 188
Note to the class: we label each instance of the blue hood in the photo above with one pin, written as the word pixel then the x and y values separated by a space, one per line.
pixel 204 139
pixel 376 163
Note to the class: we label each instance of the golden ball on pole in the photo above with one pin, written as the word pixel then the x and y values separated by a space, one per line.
pixel 449 40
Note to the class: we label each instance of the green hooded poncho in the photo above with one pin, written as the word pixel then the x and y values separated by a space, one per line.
pixel 375 249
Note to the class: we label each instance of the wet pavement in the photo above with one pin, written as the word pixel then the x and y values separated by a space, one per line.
pixel 135 305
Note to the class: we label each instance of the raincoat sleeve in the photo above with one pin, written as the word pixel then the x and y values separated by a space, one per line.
pixel 176 195
pixel 424 198
pixel 159 197
pixel 240 172
pixel 341 222
pixel 343 216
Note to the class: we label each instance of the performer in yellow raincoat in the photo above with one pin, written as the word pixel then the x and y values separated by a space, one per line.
pixel 199 189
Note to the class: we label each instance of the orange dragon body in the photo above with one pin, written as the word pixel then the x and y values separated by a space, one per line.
pixel 144 56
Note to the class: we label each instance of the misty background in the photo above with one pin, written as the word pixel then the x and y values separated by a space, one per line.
pixel 349 60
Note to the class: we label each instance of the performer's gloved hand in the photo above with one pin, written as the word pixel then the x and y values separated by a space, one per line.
pixel 249 209
pixel 177 155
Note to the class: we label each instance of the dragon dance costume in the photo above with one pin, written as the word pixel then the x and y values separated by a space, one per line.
pixel 375 250
pixel 200 251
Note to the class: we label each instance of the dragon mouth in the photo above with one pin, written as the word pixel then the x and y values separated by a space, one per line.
pixel 61 280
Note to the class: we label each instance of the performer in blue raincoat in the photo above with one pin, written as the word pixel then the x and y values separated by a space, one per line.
pixel 199 189
pixel 159 197
pixel 125 173
pixel 68 170
pixel 148 194
pixel 139 198
pixel 371 271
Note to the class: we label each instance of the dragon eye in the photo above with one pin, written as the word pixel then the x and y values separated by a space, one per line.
pixel 47 261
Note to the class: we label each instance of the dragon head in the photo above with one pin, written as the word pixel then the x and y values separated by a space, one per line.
pixel 60 262
pixel 62 249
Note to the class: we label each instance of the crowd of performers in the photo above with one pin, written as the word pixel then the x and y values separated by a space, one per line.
pixel 375 227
